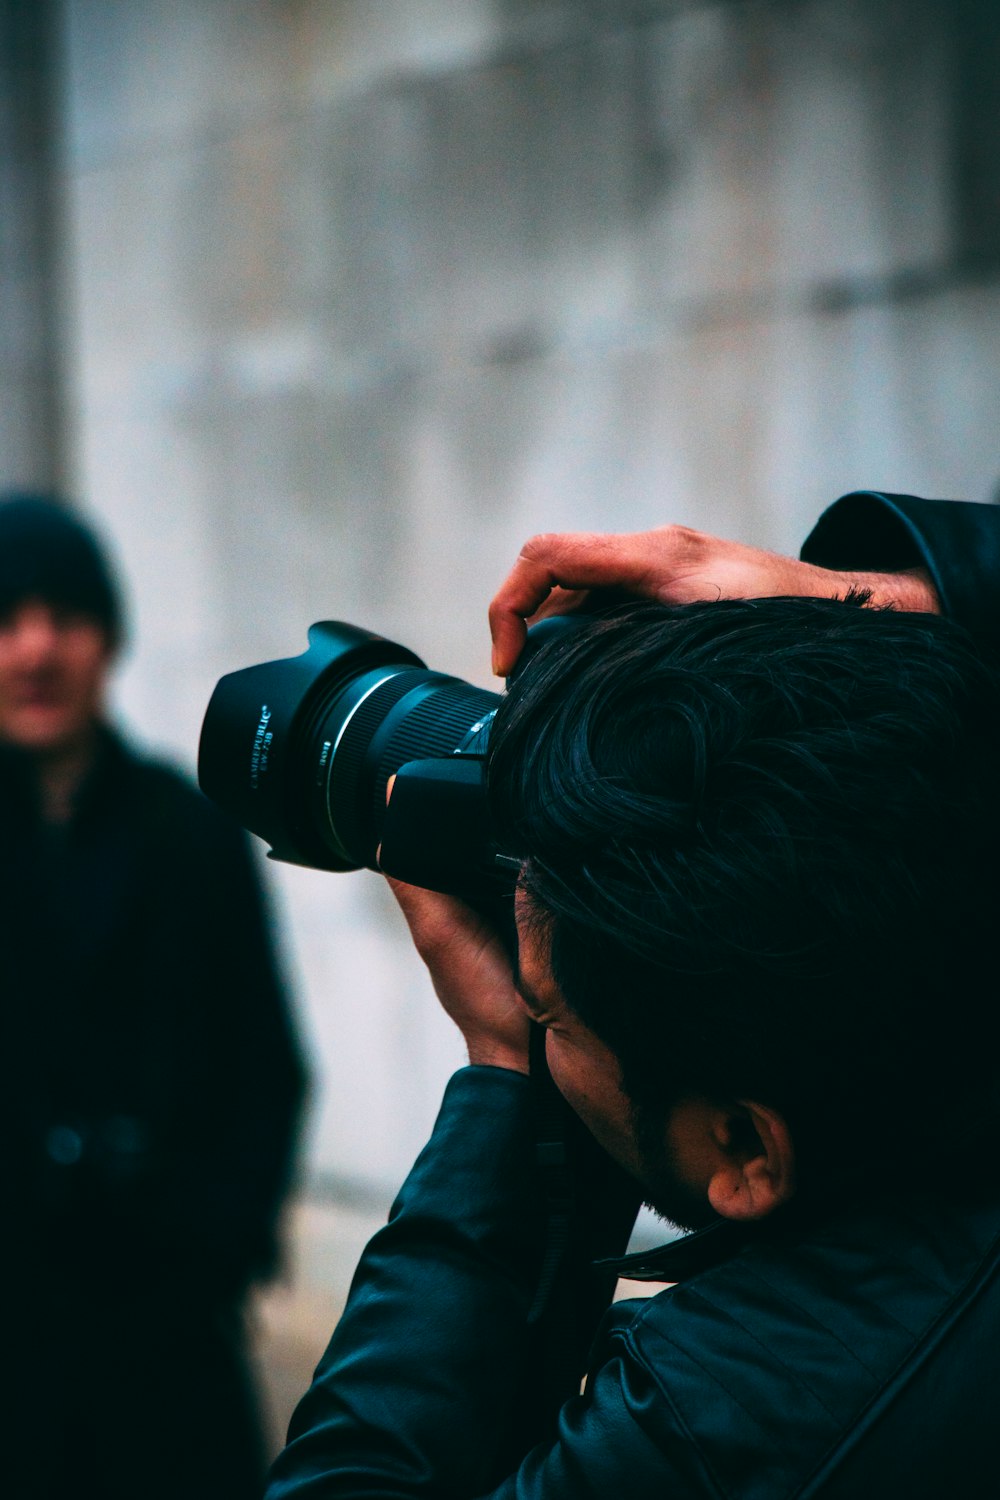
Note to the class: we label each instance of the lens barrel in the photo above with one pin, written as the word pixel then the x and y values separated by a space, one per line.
pixel 413 715
pixel 300 751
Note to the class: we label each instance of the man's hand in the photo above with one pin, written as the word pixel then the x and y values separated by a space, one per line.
pixel 675 565
pixel 472 975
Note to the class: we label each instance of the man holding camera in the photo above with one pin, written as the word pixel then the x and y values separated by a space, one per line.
pixel 756 818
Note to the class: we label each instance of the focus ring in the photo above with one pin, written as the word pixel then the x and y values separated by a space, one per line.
pixel 346 774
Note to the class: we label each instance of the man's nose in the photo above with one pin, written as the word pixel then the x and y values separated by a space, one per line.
pixel 36 637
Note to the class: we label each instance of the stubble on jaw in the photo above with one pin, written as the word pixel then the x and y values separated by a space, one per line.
pixel 665 1190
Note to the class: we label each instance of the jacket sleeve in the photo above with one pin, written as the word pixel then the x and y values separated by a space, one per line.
pixel 958 542
pixel 435 1381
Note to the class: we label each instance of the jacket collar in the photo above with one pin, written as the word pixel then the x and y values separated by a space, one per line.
pixel 719 1241
pixel 685 1256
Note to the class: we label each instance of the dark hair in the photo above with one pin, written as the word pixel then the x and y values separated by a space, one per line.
pixel 48 552
pixel 762 838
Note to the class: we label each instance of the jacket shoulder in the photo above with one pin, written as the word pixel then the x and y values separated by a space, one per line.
pixel 775 1364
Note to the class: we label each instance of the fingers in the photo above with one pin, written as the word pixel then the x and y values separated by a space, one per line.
pixel 562 561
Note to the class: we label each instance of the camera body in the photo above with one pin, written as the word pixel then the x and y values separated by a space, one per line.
pixel 300 751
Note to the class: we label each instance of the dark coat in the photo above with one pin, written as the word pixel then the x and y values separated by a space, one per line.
pixel 151 1080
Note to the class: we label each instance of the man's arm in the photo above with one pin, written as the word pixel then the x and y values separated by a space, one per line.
pixel 675 565
pixel 942 556
pixel 435 1382
pixel 952 543
pixel 447 1366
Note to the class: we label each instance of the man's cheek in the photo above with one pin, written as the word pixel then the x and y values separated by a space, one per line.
pixel 569 1076
pixel 556 1062
pixel 599 1104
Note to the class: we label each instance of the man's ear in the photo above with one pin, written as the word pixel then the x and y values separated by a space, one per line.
pixel 754 1161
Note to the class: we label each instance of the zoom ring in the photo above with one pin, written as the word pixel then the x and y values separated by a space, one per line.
pixel 436 726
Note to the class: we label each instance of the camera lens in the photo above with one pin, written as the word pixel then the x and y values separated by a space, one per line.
pixel 300 751
pixel 374 726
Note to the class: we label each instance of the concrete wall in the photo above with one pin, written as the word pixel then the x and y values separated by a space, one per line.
pixel 359 295
pixel 30 417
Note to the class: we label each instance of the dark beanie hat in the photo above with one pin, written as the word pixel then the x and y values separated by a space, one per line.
pixel 47 553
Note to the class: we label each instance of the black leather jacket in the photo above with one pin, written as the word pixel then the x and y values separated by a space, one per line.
pixel 857 1357
pixel 956 541
pixel 847 1355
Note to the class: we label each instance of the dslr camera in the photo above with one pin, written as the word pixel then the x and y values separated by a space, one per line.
pixel 300 752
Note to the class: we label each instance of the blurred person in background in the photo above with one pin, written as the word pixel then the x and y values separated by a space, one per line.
pixel 152 1082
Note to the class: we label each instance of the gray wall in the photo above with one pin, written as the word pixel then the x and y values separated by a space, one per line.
pixel 359 295
pixel 30 419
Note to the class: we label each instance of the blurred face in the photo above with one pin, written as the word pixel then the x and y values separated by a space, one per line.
pixel 53 668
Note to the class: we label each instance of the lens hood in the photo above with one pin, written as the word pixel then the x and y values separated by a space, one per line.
pixel 257 729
